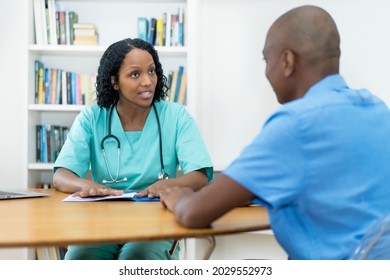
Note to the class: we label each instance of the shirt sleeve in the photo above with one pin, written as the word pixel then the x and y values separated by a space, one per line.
pixel 191 149
pixel 75 154
pixel 273 166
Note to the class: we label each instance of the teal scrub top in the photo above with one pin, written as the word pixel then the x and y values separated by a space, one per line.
pixel 182 145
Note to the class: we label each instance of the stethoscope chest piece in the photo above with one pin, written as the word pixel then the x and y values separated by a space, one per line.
pixel 162 175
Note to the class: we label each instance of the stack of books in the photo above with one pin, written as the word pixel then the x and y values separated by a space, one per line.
pixel 85 34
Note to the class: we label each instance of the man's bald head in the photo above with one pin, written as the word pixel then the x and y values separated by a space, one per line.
pixel 309 31
pixel 302 47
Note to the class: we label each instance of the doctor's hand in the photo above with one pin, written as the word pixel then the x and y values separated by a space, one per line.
pixel 171 196
pixel 155 189
pixel 97 190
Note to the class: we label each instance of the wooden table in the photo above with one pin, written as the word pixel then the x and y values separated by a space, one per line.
pixel 49 221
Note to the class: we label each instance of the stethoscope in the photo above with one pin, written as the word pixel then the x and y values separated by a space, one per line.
pixel 162 175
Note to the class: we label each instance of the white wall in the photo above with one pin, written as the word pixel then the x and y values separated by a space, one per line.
pixel 234 96
pixel 13 67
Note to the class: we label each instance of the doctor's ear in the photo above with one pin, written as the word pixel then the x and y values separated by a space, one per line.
pixel 114 83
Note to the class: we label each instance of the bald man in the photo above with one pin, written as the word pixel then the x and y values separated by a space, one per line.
pixel 320 164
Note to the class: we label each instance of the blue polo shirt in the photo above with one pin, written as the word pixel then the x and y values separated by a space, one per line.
pixel 321 166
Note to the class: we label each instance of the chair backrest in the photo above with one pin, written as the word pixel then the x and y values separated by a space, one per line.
pixel 375 244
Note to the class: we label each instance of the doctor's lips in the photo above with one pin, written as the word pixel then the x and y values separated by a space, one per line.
pixel 146 94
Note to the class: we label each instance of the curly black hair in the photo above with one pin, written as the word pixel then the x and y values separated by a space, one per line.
pixel 110 64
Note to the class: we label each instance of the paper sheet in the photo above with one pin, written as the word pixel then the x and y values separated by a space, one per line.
pixel 126 196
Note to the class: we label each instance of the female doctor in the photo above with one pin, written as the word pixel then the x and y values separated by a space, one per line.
pixel 133 140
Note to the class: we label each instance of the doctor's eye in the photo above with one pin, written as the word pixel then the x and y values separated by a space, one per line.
pixel 134 75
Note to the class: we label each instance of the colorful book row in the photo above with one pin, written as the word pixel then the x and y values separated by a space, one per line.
pixel 49 141
pixel 57 86
pixel 167 30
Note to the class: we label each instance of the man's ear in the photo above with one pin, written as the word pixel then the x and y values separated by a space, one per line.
pixel 114 83
pixel 288 62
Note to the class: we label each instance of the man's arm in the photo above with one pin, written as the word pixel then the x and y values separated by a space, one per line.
pixel 200 209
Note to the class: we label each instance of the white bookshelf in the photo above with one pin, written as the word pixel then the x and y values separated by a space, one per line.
pixel 116 20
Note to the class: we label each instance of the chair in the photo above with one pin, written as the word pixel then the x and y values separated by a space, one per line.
pixel 375 244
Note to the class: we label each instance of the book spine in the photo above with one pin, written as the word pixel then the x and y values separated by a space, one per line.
pixel 143 28
pixel 38 22
pixel 183 89
pixel 59 86
pixel 152 31
pixel 41 92
pixel 64 99
pixel 47 85
pixel 177 89
pixel 53 86
pixel 173 86
pixel 43 144
pixel 67 28
pixel 36 81
pixel 38 141
pixel 62 28
pixel 52 22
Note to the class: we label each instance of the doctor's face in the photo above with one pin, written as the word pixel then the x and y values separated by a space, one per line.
pixel 137 78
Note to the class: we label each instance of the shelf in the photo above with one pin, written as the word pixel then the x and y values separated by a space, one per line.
pixel 41 166
pixel 126 1
pixel 72 50
pixel 55 108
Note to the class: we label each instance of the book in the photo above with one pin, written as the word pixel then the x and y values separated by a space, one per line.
pixel 41 91
pixel 43 143
pixel 168 30
pixel 174 30
pixel 183 89
pixel 73 18
pixel 62 26
pixel 143 28
pixel 59 87
pixel 36 80
pixel 38 22
pixel 47 82
pixel 38 137
pixel 85 40
pixel 53 86
pixel 85 32
pixel 127 195
pixel 181 27
pixel 52 22
pixel 58 27
pixel 178 82
pixel 172 90
pixel 83 25
pixel 67 28
pixel 152 31
pixel 159 32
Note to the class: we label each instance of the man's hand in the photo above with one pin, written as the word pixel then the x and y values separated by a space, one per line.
pixel 171 196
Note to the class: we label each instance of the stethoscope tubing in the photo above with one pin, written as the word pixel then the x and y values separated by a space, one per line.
pixel 161 175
